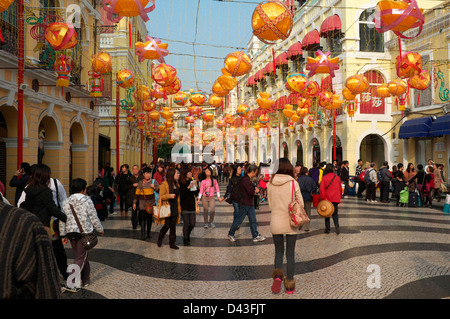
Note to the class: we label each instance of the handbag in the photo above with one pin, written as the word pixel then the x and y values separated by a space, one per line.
pixel 88 240
pixel 297 211
pixel 163 211
pixel 197 208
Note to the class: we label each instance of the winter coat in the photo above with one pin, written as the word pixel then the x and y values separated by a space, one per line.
pixel 437 178
pixel 331 189
pixel 307 187
pixel 385 174
pixel 86 213
pixel 279 196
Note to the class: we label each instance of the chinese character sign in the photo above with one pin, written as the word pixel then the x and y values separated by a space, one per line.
pixel 370 102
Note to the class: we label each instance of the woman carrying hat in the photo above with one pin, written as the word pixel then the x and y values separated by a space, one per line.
pixel 331 189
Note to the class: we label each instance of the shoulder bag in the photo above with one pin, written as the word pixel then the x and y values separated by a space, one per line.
pixel 88 240
pixel 297 211
pixel 162 211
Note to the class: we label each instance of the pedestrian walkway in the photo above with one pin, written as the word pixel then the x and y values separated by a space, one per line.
pixel 383 251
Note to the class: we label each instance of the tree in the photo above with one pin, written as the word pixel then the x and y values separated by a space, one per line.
pixel 164 151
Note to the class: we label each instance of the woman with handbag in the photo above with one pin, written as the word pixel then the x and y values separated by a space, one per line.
pixel 208 187
pixel 169 196
pixel 331 190
pixel 145 198
pixel 281 189
pixel 82 219
pixel 188 191
pixel 307 187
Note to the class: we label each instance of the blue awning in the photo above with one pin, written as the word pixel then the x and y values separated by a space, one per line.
pixel 441 126
pixel 416 128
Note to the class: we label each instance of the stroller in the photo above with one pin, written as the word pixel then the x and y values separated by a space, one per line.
pixel 263 185
pixel 404 197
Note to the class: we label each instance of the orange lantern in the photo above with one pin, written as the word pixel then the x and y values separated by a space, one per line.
pixel 325 98
pixel 295 118
pixel 166 113
pixel 198 98
pixel 208 116
pixel 140 117
pixel 181 98
pixel 215 101
pixel 304 103
pixel 421 81
pixel 174 87
pixel 272 21
pixel 153 49
pixel 226 81
pixel 264 102
pixel 63 66
pixel 312 89
pixel 288 111
pixel 142 92
pixel 218 89
pixel 61 36
pixel 242 110
pixel 311 120
pixel 158 92
pixel 398 16
pixel 335 103
pixel 302 112
pixel 229 119
pixel 101 62
pixel 164 74
pixel 322 63
pixel 297 82
pixel 383 90
pixel 148 105
pixel 263 119
pixel 130 114
pixel 169 124
pixel 357 84
pixel 189 119
pixel 221 123
pixel 257 126
pixel 127 8
pixel 125 78
pixel 238 63
pixel 154 115
pixel 397 87
pixel 409 64
pixel 348 95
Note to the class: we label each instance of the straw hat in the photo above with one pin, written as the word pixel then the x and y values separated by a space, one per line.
pixel 325 208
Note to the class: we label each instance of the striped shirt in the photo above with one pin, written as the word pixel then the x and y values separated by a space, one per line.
pixel 145 192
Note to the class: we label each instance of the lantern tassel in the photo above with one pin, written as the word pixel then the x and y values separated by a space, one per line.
pixel 129 32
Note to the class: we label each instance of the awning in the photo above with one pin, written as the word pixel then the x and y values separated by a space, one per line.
pixel 268 69
pixel 441 126
pixel 294 51
pixel 311 39
pixel 419 127
pixel 281 60
pixel 251 81
pixel 280 103
pixel 330 24
pixel 259 76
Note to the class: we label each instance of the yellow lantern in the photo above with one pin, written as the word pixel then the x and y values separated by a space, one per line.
pixel 304 103
pixel 348 95
pixel 125 78
pixel 272 21
pixel 398 16
pixel 263 101
pixel 174 87
pixel 166 113
pixel 263 119
pixel 336 102
pixel 238 63
pixel 409 64
pixel 312 89
pixel 421 81
pixel 226 81
pixel 130 115
pixel 154 115
pixel 383 90
pixel 164 74
pixel 169 124
pixel 61 36
pixel 218 89
pixel 229 119
pixel 297 82
pixel 101 62
pixel 148 105
pixel 142 92
pixel 181 98
pixel 288 111
pixel 189 119
pixel 153 49
pixel 397 87
pixel 242 110
pixel 325 98
pixel 302 112
pixel 295 118
pixel 357 84
pixel 198 98
pixel 215 101
pixel 208 116
pixel 322 63
pixel 63 66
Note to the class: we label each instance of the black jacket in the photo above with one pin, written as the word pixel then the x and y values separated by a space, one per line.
pixel 187 197
pixel 39 201
pixel 307 187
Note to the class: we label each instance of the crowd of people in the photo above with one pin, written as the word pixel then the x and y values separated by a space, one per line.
pixel 186 189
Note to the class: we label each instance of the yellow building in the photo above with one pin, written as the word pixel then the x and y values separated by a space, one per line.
pixel 60 124
pixel 346 31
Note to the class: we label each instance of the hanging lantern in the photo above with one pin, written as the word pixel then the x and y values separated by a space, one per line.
pixel 297 82
pixel 242 110
pixel 153 49
pixel 161 128
pixel 229 119
pixel 101 62
pixel 198 98
pixel 398 16
pixel 357 84
pixel 125 78
pixel 335 103
pixel 295 118
pixel 325 98
pixel 215 101
pixel 164 74
pixel 383 90
pixel 158 92
pixel 174 87
pixel 189 119
pixel 130 115
pixel 263 119
pixel 142 92
pixel 95 84
pixel 311 120
pixel 301 112
pixel 220 123
pixel 218 89
pixel 140 117
pixel 351 109
pixel 322 63
pixel 288 111
pixel 154 115
pixel 304 103
pixel 169 125
pixel 397 87
pixel 312 89
pixel 63 67
pixel 263 101
pixel 226 81
pixel 348 95
pixel 409 64
pixel 272 21
pixel 148 105
pixel 127 8
pixel 61 36
pixel 166 113
pixel 208 116
pixel 181 98
pixel 421 81
pixel 257 126
pixel 238 63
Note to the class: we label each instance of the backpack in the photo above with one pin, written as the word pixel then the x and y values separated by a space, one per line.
pixel 236 193
pixel 367 179
pixel 362 175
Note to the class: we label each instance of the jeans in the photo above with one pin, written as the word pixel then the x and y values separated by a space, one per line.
pixel 239 217
pixel 335 217
pixel 278 240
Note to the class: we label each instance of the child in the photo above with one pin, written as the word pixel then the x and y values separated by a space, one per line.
pixel 400 184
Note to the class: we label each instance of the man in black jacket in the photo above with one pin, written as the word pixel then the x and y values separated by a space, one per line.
pixel 344 175
pixel 386 178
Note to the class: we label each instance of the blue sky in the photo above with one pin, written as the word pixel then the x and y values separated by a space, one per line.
pixel 220 23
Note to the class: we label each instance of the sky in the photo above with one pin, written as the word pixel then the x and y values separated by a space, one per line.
pixel 222 27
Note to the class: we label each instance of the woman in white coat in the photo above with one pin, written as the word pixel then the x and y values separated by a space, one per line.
pixel 281 189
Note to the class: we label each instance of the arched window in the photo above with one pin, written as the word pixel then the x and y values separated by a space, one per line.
pixel 370 102
pixel 369 39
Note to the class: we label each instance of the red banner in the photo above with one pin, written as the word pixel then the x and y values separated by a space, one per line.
pixel 370 102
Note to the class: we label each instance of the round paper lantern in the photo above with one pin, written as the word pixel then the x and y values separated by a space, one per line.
pixel 272 21
pixel 421 81
pixel 302 112
pixel 189 119
pixel 166 113
pixel 348 95
pixel 312 89
pixel 295 118
pixel 158 92
pixel 238 63
pixel 297 82
pixel 198 98
pixel 398 16
pixel 383 90
pixel 181 98
pixel 63 66
pixel 101 62
pixel 125 78
pixel 127 8
pixel 215 101
pixel 61 36
pixel 154 115
pixel 208 116
pixel 325 98
pixel 263 119
pixel 174 87
pixel 409 64
pixel 264 102
pixel 164 74
pixel 221 123
pixel 322 63
pixel 304 103
pixel 242 110
pixel 357 84
pixel 336 102
pixel 218 89
pixel 397 87
pixel 226 81
pixel 153 49
pixel 288 111
pixel 229 119
pixel 148 105
pixel 142 92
